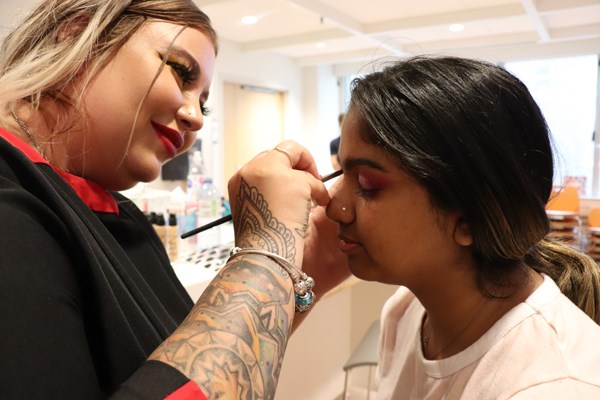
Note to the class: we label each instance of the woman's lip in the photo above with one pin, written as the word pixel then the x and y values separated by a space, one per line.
pixel 348 246
pixel 171 139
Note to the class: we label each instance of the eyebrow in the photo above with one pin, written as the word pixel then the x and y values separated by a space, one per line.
pixel 178 51
pixel 194 66
pixel 356 162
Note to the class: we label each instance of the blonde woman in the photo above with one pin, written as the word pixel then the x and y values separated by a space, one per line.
pixel 94 96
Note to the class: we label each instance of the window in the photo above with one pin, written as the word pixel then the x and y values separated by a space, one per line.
pixel 566 91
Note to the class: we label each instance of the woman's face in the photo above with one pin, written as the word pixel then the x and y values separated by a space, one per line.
pixel 389 229
pixel 114 152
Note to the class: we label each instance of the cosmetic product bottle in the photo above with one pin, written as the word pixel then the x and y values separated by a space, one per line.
pixel 209 209
pixel 172 237
pixel 161 229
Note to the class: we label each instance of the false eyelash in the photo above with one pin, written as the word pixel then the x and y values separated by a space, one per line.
pixel 204 110
pixel 366 193
pixel 184 72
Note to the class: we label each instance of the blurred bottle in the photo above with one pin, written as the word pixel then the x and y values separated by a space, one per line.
pixel 189 218
pixel 172 237
pixel 151 217
pixel 203 205
pixel 226 230
pixel 159 225
pixel 209 209
pixel 225 207
pixel 195 177
pixel 176 211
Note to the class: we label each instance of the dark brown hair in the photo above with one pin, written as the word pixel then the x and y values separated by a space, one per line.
pixel 473 136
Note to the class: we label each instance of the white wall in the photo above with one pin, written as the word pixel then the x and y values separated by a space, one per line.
pixel 321 106
pixel 311 103
pixel 270 71
pixel 317 351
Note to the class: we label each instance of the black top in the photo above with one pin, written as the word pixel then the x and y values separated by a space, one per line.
pixel 86 288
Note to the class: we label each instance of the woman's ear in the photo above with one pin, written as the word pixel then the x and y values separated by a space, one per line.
pixel 462 233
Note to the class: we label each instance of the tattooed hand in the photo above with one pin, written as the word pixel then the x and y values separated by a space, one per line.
pixel 271 199
pixel 233 341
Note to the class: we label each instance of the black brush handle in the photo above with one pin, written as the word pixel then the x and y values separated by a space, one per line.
pixel 227 218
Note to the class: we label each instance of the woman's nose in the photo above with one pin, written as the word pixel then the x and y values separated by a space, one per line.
pixel 190 117
pixel 340 208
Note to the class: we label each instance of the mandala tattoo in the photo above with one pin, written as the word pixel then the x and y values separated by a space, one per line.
pixel 232 343
pixel 254 221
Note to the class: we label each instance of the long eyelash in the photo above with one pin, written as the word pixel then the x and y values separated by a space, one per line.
pixel 366 193
pixel 187 76
pixel 204 110
pixel 184 72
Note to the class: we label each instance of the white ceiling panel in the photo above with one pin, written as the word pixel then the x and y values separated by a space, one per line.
pixel 279 16
pixel 344 32
pixel 573 17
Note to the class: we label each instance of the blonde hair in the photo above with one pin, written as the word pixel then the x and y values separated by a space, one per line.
pixel 61 39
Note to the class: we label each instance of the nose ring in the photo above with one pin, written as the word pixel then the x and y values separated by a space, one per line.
pixel 344 208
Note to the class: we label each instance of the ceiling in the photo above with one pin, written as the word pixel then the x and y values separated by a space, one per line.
pixel 346 33
pixel 350 31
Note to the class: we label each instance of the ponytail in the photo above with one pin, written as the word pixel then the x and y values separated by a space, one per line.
pixel 576 274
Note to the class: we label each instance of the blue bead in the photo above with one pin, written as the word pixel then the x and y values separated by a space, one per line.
pixel 305 300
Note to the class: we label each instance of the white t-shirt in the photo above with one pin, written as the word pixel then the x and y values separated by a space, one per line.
pixel 544 348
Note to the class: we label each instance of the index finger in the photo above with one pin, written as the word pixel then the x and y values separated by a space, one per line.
pixel 300 158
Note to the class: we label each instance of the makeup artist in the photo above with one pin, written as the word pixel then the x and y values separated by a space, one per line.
pixel 95 95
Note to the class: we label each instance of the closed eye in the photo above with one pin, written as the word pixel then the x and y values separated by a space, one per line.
pixel 185 73
pixel 368 185
pixel 366 193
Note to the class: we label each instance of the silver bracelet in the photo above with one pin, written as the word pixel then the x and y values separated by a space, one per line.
pixel 303 284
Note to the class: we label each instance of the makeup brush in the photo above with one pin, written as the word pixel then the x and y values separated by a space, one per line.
pixel 227 218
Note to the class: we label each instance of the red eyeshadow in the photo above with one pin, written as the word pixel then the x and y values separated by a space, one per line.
pixel 371 180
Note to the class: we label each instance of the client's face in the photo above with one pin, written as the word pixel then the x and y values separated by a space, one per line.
pixel 389 230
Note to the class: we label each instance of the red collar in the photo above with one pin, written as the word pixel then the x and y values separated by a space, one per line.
pixel 92 194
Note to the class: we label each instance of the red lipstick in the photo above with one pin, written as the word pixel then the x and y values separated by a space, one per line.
pixel 170 138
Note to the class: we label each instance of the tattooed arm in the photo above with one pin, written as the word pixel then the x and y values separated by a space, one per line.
pixel 232 343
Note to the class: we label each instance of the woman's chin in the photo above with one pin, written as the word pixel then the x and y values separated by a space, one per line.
pixel 145 173
pixel 127 181
pixel 359 272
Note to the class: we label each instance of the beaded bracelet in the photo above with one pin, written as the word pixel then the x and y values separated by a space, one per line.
pixel 303 284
